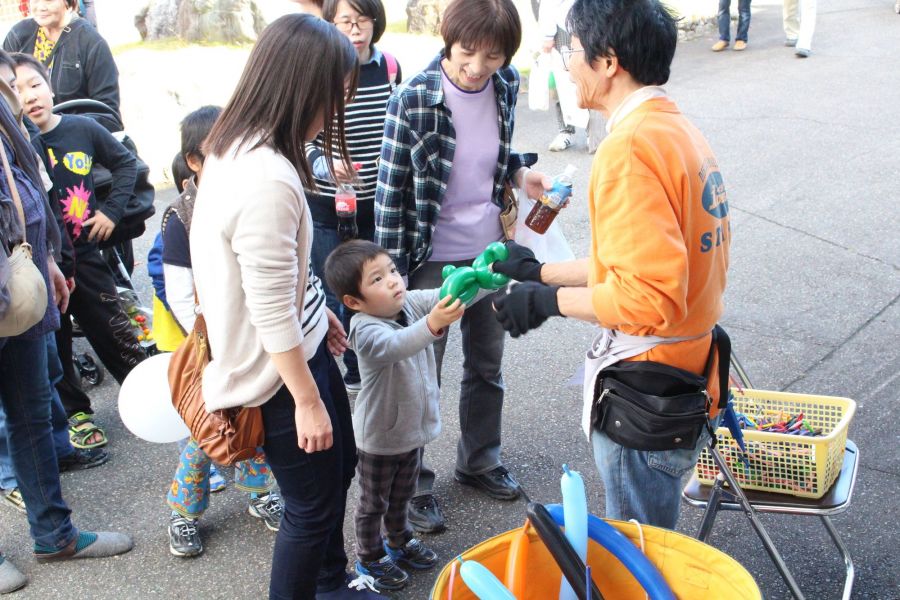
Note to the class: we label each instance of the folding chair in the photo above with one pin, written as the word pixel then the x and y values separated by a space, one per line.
pixel 717 497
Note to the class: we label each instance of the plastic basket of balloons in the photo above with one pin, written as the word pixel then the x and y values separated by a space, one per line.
pixel 592 559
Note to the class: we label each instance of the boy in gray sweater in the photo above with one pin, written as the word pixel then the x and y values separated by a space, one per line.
pixel 396 412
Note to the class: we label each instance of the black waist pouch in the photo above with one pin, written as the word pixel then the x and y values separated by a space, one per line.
pixel 646 405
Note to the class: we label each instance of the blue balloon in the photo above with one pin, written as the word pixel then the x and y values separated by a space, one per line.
pixel 483 583
pixel 621 547
pixel 576 522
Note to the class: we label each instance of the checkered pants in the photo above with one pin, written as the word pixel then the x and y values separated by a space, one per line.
pixel 386 486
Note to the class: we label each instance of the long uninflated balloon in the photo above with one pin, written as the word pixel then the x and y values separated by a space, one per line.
pixel 618 545
pixel 576 522
pixel 561 550
pixel 482 582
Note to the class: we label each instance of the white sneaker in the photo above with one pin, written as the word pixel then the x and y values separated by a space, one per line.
pixel 562 141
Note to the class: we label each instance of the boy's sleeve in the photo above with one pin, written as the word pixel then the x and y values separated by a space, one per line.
pixel 380 345
pixel 113 155
pixel 421 302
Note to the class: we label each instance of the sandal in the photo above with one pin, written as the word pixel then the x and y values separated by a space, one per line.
pixel 82 428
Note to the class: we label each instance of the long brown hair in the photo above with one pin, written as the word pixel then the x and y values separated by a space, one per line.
pixel 296 70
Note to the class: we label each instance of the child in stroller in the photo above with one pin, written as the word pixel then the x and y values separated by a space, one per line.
pixel 69 145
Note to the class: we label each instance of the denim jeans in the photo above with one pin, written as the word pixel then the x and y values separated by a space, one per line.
pixel 325 239
pixel 309 548
pixel 25 397
pixel 724 18
pixel 57 418
pixel 644 485
pixel 481 389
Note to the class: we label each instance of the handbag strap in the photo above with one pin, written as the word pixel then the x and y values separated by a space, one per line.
pixel 13 189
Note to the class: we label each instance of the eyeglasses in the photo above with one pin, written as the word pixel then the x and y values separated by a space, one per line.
pixel 362 23
pixel 566 54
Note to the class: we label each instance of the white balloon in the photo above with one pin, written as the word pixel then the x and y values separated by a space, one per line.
pixel 145 402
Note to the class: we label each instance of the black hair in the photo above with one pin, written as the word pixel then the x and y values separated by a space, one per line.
pixel 641 34
pixel 181 172
pixel 26 60
pixel 367 8
pixel 344 266
pixel 195 128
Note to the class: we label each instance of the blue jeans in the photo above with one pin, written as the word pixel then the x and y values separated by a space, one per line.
pixel 25 397
pixel 644 485
pixel 57 418
pixel 309 548
pixel 325 239
pixel 724 18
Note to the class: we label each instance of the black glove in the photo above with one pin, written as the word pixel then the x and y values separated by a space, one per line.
pixel 526 307
pixel 521 264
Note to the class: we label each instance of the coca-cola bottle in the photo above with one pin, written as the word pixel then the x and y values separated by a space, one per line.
pixel 345 207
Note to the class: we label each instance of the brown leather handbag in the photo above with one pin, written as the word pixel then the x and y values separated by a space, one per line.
pixel 227 436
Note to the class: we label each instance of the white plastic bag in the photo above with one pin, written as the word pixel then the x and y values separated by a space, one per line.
pixel 539 83
pixel 551 246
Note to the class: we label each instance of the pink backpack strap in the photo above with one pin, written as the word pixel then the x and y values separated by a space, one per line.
pixel 392 68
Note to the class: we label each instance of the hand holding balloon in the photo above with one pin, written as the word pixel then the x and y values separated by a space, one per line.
pixel 464 282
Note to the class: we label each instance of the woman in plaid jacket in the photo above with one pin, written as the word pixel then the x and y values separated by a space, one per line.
pixel 445 158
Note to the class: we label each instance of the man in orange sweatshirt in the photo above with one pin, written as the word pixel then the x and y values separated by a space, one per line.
pixel 655 276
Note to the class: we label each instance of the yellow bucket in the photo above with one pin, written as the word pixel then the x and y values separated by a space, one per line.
pixel 692 569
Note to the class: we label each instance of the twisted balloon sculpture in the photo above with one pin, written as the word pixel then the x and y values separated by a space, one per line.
pixel 464 282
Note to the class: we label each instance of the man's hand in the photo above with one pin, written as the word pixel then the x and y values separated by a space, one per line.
pixel 548 45
pixel 336 338
pixel 526 307
pixel 521 265
pixel 314 432
pixel 58 287
pixel 444 314
pixel 101 227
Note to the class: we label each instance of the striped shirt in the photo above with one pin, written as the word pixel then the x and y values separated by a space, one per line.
pixel 364 128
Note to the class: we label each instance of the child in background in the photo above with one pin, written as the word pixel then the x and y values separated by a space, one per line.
pixel 392 333
pixel 188 495
pixel 363 22
pixel 69 145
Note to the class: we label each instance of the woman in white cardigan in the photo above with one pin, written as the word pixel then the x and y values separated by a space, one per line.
pixel 271 337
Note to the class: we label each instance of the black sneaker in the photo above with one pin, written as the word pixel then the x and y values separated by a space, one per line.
pixel 414 554
pixel 385 573
pixel 425 514
pixel 268 507
pixel 184 537
pixel 83 458
pixel 360 587
pixel 497 483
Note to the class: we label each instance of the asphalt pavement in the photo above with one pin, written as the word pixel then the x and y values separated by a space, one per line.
pixel 809 150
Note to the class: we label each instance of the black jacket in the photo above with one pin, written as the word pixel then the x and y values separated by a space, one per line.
pixel 83 66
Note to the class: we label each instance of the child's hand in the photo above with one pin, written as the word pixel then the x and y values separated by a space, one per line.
pixel 445 313
pixel 101 227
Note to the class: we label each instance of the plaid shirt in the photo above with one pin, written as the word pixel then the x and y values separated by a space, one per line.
pixel 417 156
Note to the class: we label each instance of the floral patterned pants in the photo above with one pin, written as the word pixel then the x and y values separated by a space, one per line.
pixel 189 492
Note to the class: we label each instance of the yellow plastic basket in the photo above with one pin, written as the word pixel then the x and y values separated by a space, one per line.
pixel 785 464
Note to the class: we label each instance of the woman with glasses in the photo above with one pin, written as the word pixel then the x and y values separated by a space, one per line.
pixel 445 159
pixel 363 22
